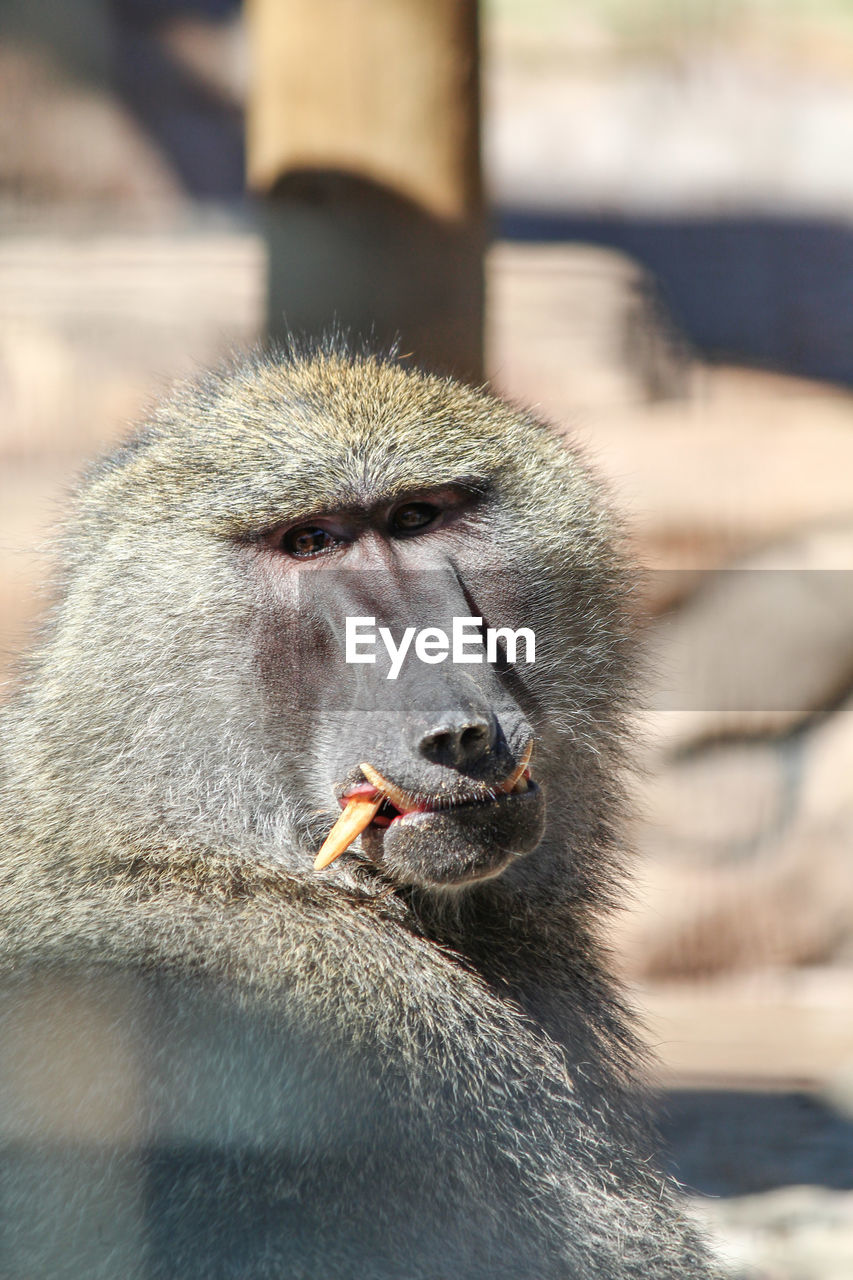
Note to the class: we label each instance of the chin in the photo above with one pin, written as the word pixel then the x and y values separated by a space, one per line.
pixel 460 845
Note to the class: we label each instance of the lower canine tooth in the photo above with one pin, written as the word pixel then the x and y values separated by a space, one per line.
pixel 520 786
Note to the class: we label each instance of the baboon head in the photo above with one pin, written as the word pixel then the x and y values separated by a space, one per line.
pixel 214 564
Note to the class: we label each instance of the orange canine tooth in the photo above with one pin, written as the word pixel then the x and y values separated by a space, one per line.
pixel 398 798
pixel 358 814
pixel 507 785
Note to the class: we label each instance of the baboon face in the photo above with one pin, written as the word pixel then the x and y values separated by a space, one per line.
pixel 444 745
pixel 330 494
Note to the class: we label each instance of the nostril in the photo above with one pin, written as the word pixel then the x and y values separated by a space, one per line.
pixel 474 738
pixel 434 744
pixel 459 745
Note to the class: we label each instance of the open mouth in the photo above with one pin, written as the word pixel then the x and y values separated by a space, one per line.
pixel 380 803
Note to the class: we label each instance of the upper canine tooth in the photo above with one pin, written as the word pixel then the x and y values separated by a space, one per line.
pixel 509 783
pixel 358 814
pixel 397 797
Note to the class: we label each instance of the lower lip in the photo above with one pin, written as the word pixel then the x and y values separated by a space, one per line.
pixel 414 815
pixel 383 823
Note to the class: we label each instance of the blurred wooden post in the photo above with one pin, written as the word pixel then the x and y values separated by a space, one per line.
pixel 363 139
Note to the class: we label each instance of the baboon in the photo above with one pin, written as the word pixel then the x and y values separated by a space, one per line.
pixel 409 1064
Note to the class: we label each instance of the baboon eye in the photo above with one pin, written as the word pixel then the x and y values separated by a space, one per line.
pixel 308 540
pixel 413 516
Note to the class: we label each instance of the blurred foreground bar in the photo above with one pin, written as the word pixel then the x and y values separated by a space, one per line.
pixel 363 139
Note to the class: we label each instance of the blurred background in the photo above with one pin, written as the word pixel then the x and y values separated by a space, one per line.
pixel 634 215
